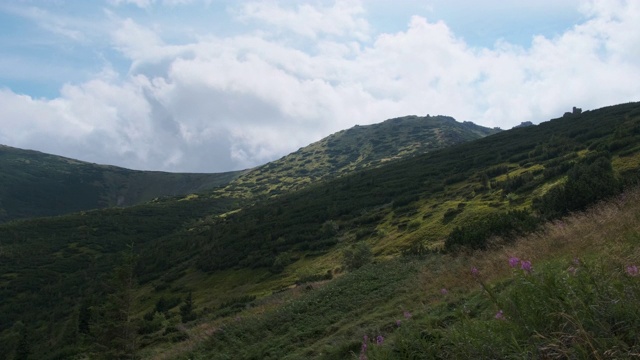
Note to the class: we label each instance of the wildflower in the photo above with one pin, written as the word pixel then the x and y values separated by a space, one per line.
pixel 513 261
pixel 474 271
pixel 526 266
pixel 576 261
pixel 363 349
pixel 407 315
pixel 632 270
pixel 444 291
pixel 398 323
pixel 379 340
pixel 500 315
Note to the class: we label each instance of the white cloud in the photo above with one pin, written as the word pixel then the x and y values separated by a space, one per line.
pixel 342 18
pixel 148 3
pixel 64 26
pixel 229 102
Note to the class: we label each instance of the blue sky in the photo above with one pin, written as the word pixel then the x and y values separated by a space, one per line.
pixel 209 86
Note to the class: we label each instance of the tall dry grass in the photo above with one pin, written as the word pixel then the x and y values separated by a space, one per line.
pixel 609 230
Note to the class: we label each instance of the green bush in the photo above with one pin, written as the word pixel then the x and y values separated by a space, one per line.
pixel 475 234
pixel 356 256
pixel 588 182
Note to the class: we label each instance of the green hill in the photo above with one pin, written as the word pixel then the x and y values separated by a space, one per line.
pixel 360 147
pixel 277 278
pixel 34 184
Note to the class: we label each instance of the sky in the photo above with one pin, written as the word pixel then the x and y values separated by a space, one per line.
pixel 220 85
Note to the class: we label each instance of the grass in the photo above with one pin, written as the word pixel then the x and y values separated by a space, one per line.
pixel 361 147
pixel 579 301
pixel 564 308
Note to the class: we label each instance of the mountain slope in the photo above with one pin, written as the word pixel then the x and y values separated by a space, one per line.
pixel 35 184
pixel 232 259
pixel 357 148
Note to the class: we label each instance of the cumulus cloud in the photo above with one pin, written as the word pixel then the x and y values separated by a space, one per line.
pixel 228 102
pixel 342 18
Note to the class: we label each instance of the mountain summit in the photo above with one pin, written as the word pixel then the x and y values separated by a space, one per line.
pixel 358 148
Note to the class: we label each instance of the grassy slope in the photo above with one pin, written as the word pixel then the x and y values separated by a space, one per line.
pixel 328 321
pixel 358 148
pixel 36 184
pixel 390 208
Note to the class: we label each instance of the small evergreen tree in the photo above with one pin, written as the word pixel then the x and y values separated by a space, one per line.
pixel 186 310
pixel 23 350
pixel 115 328
pixel 84 318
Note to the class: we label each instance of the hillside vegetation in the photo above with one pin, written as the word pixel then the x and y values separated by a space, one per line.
pixel 569 291
pixel 34 184
pixel 360 147
pixel 210 276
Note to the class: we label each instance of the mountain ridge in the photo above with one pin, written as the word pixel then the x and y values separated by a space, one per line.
pixel 357 148
pixel 34 184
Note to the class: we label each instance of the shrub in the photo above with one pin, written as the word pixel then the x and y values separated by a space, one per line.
pixel 587 183
pixel 475 234
pixel 356 256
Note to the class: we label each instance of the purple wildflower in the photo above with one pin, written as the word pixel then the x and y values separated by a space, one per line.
pixel 444 291
pixel 576 261
pixel 632 270
pixel 500 315
pixel 474 271
pixel 379 339
pixel 513 261
pixel 526 266
pixel 363 349
pixel 407 315
pixel 398 323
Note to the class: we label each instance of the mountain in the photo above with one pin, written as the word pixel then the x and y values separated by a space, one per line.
pixel 357 148
pixel 34 184
pixel 278 278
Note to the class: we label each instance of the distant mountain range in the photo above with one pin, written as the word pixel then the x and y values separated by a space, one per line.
pixel 34 184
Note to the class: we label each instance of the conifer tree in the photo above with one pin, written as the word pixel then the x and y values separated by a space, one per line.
pixel 115 328
pixel 186 310
pixel 23 350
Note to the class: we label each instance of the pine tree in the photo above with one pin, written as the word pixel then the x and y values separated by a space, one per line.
pixel 115 328
pixel 186 310
pixel 23 350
